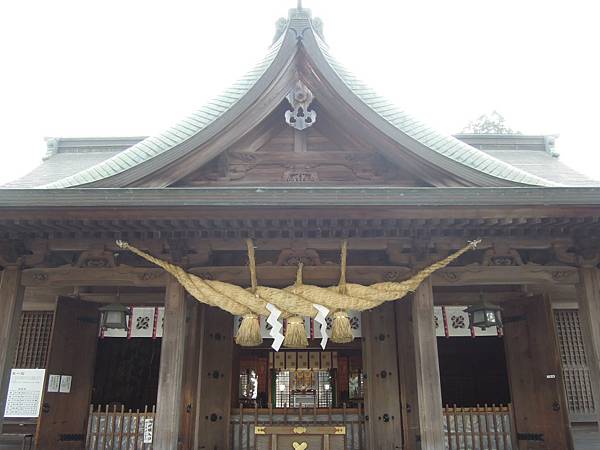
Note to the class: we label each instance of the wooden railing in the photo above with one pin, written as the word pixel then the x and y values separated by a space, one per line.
pixel 479 428
pixel 244 420
pixel 117 429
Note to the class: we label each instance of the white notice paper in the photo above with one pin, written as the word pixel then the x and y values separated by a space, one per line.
pixel 65 383
pixel 25 393
pixel 148 430
pixel 53 383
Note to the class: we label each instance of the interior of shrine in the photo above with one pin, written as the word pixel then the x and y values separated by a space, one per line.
pixel 472 372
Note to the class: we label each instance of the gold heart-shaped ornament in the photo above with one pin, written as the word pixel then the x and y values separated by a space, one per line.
pixel 302 446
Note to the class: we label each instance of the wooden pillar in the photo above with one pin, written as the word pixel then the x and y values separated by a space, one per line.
pixel 589 316
pixel 408 375
pixel 428 388
pixel 11 302
pixel 213 398
pixel 168 403
pixel 190 371
pixel 380 357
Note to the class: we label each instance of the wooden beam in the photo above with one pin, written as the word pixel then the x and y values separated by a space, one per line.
pixel 279 276
pixel 428 388
pixel 508 275
pixel 74 276
pixel 11 302
pixel 168 403
pixel 355 243
pixel 285 203
pixel 589 315
pixel 300 141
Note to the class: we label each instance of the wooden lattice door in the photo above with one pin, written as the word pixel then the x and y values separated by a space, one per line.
pixel 575 369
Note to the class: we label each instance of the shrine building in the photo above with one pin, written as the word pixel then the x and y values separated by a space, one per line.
pixel 164 292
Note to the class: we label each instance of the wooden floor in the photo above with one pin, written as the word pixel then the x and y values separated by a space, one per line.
pixel 586 438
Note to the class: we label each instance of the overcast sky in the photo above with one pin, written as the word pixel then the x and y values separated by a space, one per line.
pixel 131 68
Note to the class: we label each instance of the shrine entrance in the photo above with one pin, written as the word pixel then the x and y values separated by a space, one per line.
pixel 303 396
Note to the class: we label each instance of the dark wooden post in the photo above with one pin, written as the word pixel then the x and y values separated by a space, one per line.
pixel 189 388
pixel 589 315
pixel 380 356
pixel 168 403
pixel 428 388
pixel 408 374
pixel 11 302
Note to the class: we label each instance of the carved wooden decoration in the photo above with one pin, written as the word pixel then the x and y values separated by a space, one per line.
pixel 300 99
pixel 300 438
pixel 293 256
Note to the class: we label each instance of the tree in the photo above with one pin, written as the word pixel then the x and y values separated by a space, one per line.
pixel 489 124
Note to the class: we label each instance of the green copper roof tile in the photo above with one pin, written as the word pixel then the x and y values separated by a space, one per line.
pixel 436 142
pixel 444 145
pixel 192 125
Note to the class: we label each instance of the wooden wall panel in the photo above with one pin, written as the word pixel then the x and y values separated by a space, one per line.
pixel 533 362
pixel 213 398
pixel 589 313
pixel 63 419
pixel 382 396
pixel 11 302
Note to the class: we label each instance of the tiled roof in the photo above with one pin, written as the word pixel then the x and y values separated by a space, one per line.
pixel 463 156
pixel 59 166
pixel 544 165
pixel 178 133
pixel 442 144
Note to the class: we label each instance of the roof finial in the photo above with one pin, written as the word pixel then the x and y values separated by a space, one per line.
pixel 299 4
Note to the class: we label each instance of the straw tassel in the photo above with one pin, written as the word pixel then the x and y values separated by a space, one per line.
pixel 295 333
pixel 341 330
pixel 249 332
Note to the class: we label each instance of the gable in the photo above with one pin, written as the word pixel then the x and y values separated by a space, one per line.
pixel 277 154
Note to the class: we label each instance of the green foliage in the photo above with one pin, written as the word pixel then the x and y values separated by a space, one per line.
pixel 493 123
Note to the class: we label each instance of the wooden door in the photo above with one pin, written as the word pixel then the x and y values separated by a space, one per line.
pixel 533 362
pixel 63 419
pixel 213 398
pixel 382 394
